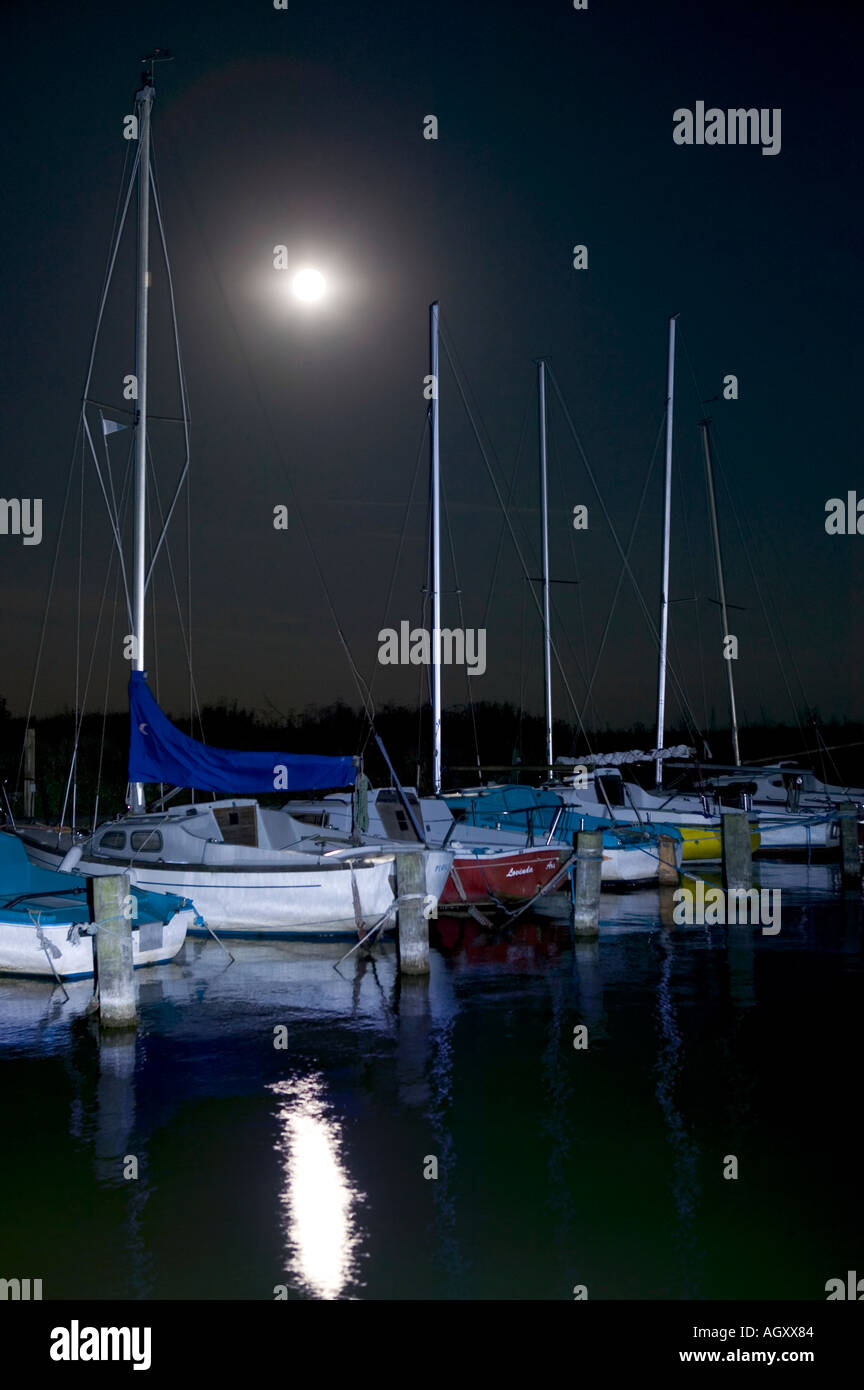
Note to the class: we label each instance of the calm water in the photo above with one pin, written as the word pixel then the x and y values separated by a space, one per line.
pixel 303 1166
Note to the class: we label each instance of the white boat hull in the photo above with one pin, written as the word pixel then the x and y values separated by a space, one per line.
pixel 631 865
pixel 60 951
pixel 297 902
pixel 797 832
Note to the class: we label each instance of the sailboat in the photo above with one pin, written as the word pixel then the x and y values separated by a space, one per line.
pixel 631 854
pixel 46 928
pixel 699 827
pixel 250 870
pixel 786 828
pixel 491 866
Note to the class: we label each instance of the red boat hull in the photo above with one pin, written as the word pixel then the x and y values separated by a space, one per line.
pixel 511 877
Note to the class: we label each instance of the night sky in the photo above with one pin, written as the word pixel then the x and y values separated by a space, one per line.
pixel 305 128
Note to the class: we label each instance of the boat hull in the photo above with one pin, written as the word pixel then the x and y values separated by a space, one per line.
pixel 631 866
pixel 802 836
pixel 493 876
pixel 296 903
pixel 58 950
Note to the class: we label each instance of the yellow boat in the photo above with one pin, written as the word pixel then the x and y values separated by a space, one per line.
pixel 705 842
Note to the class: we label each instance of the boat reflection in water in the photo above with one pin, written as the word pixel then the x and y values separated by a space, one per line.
pixel 318 1201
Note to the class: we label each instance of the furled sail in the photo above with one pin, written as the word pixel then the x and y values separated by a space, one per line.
pixel 635 755
pixel 159 752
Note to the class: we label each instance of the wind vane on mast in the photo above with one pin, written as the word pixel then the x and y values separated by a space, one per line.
pixel 158 55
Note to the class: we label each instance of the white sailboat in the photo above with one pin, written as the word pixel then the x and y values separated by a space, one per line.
pixel 697 813
pixel 250 871
pixel 490 866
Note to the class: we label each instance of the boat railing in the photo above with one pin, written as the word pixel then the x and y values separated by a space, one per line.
pixel 525 818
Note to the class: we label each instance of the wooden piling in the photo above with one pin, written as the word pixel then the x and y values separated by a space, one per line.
pixel 112 951
pixel 737 854
pixel 850 853
pixel 586 882
pixel 413 933
pixel 667 871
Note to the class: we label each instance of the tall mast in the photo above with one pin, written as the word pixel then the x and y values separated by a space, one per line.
pixel 718 562
pixel 143 107
pixel 667 518
pixel 544 513
pixel 435 548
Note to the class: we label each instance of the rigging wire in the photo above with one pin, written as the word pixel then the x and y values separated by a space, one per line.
pixel 510 492
pixel 522 608
pixel 169 559
pixel 687 715
pixel 181 378
pixel 376 667
pixel 485 455
pixel 750 548
pixel 100 762
pixel 79 716
pixel 458 588
pixel 44 626
pixel 624 567
pixel 557 465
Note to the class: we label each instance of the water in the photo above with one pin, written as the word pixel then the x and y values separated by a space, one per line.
pixel 299 1170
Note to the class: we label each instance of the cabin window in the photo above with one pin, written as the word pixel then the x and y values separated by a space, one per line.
pixel 149 840
pixel 113 839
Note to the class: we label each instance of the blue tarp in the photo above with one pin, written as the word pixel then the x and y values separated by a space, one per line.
pixel 514 807
pixel 159 752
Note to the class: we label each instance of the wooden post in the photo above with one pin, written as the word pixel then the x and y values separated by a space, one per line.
pixel 30 773
pixel 737 855
pixel 667 869
pixel 586 881
pixel 413 934
pixel 850 854
pixel 112 951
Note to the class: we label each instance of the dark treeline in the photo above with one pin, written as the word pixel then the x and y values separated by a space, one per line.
pixel 497 736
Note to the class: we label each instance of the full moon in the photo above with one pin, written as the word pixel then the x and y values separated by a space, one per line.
pixel 308 284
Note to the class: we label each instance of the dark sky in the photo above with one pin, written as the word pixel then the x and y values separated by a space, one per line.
pixel 304 128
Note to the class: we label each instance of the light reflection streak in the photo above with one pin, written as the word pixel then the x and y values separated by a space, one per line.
pixel 317 1198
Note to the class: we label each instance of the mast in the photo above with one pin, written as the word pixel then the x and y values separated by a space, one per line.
pixel 718 562
pixel 143 107
pixel 544 512
pixel 435 549
pixel 667 518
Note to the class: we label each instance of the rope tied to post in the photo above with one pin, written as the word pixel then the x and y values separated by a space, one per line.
pixel 93 927
pixel 429 901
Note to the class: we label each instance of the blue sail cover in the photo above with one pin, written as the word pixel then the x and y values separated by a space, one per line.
pixel 159 752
